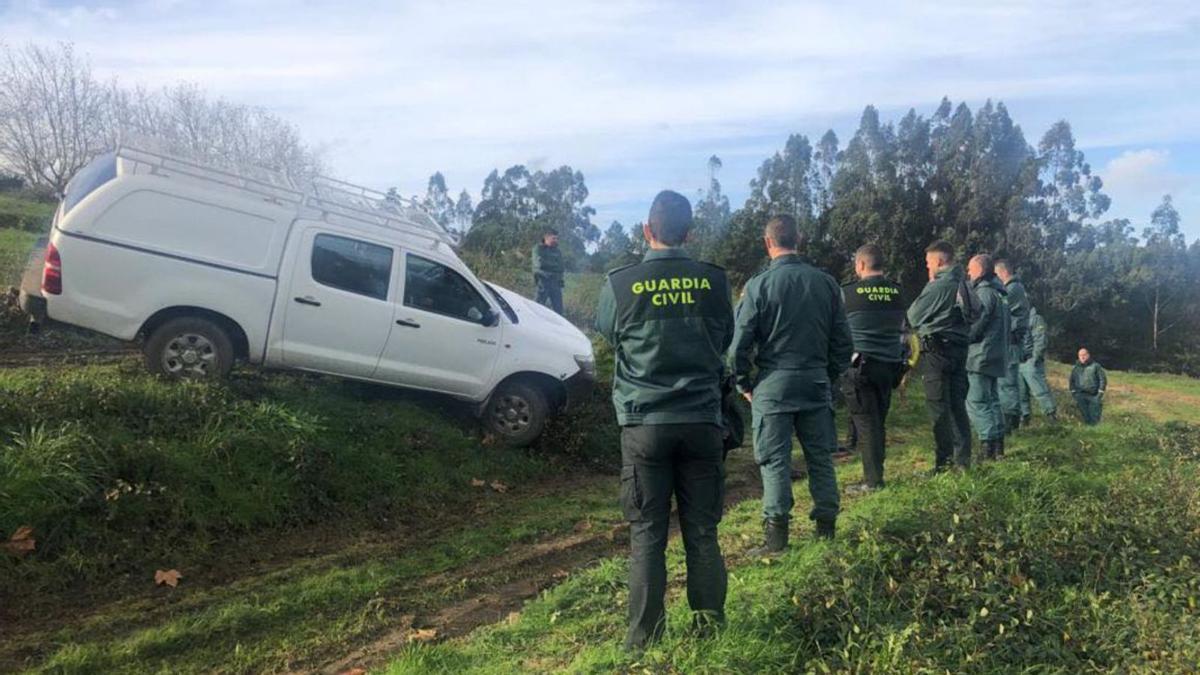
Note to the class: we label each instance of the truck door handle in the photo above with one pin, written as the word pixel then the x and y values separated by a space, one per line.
pixel 308 301
pixel 407 324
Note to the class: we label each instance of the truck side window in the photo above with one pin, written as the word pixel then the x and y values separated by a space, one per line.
pixel 352 265
pixel 434 287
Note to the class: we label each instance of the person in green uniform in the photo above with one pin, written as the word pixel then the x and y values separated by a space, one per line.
pixel 1033 371
pixel 1010 383
pixel 941 317
pixel 548 271
pixel 669 320
pixel 987 357
pixel 875 313
pixel 791 328
pixel 1088 383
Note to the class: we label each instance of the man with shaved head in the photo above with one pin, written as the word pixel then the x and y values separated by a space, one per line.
pixel 790 343
pixel 941 317
pixel 1088 383
pixel 987 357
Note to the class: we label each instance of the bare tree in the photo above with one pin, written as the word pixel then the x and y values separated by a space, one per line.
pixel 51 113
pixel 54 117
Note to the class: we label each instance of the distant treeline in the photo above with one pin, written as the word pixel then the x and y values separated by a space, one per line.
pixel 1130 292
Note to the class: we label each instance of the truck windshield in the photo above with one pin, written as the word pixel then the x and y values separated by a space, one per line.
pixel 97 172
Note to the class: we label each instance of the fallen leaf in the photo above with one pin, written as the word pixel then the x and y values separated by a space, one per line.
pixel 513 618
pixel 499 487
pixel 423 635
pixel 168 577
pixel 21 543
pixel 477 482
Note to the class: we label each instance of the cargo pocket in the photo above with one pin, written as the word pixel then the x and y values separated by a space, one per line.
pixel 632 499
pixel 934 377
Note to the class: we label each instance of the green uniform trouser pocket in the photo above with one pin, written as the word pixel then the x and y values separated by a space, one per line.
pixel 632 497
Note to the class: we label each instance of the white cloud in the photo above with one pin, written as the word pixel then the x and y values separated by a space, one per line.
pixel 1142 173
pixel 636 93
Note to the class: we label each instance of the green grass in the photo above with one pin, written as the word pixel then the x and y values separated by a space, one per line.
pixel 18 212
pixel 116 469
pixel 15 246
pixel 1077 553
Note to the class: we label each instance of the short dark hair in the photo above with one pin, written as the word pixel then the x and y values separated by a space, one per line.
pixel 782 231
pixel 871 255
pixel 986 263
pixel 942 248
pixel 549 232
pixel 1002 264
pixel 670 218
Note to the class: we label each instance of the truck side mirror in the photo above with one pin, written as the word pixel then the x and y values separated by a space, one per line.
pixel 490 318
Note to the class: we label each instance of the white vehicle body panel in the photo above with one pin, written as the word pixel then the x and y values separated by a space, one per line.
pixel 148 240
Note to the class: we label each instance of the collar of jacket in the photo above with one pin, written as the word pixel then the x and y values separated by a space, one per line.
pixel 985 279
pixel 787 259
pixel 665 254
pixel 954 272
pixel 1014 279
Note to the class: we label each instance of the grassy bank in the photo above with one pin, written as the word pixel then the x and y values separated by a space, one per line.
pixel 19 212
pixel 1078 552
pixel 14 252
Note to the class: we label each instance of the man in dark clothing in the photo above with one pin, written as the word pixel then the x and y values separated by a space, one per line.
pixel 670 321
pixel 940 316
pixel 1010 382
pixel 875 313
pixel 548 271
pixel 1088 384
pixel 987 357
pixel 791 327
pixel 1033 371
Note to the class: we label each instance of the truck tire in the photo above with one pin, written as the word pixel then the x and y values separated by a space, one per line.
pixel 517 413
pixel 189 347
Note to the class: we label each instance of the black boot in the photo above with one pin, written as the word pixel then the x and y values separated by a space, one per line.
pixel 1012 423
pixel 1052 418
pixel 998 448
pixel 1026 420
pixel 826 529
pixel 775 538
pixel 988 450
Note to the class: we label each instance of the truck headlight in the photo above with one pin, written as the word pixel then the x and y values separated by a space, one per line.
pixel 586 363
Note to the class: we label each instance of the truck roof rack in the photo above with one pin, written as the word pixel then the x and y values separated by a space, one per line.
pixel 325 195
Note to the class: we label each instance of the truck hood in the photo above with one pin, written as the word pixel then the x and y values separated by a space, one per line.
pixel 537 319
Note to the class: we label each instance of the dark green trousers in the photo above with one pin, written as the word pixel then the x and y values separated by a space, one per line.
pixel 686 461
pixel 983 406
pixel 944 373
pixel 773 434
pixel 1091 407
pixel 1034 384
pixel 549 293
pixel 868 390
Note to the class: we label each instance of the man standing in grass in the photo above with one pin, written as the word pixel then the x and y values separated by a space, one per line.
pixel 548 271
pixel 987 357
pixel 875 313
pixel 1010 382
pixel 1088 382
pixel 1033 371
pixel 669 320
pixel 791 327
pixel 941 317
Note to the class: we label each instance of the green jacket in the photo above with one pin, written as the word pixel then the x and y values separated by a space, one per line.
pixel 988 353
pixel 547 265
pixel 1036 340
pixel 1088 379
pixel 875 313
pixel 936 312
pixel 669 320
pixel 1018 304
pixel 791 326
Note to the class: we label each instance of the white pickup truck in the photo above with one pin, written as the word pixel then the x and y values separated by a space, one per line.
pixel 208 266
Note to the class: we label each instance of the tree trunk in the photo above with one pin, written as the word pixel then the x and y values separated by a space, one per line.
pixel 1155 326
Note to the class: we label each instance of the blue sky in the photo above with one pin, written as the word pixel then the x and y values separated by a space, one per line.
pixel 637 95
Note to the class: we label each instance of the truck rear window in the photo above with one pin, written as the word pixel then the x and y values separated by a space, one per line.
pixel 97 172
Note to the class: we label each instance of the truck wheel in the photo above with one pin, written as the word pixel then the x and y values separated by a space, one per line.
pixel 189 348
pixel 517 413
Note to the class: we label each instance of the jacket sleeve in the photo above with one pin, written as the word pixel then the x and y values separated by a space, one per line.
pixel 1101 379
pixel 606 314
pixel 918 311
pixel 535 258
pixel 727 319
pixel 1073 381
pixel 1039 339
pixel 744 339
pixel 841 341
pixel 987 311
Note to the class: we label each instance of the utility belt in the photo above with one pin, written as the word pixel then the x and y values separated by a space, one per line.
pixel 859 361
